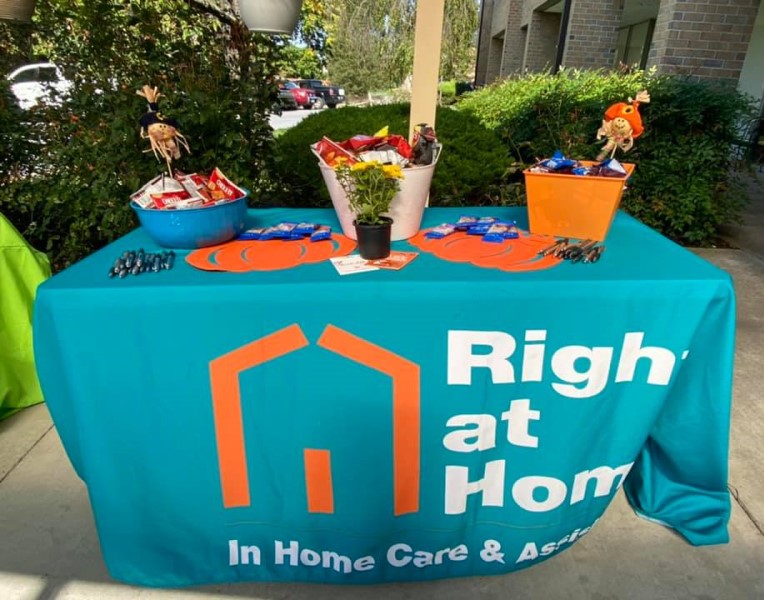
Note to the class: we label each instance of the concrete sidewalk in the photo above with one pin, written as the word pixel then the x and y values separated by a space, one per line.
pixel 49 546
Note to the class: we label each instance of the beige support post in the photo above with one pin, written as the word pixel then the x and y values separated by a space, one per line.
pixel 424 86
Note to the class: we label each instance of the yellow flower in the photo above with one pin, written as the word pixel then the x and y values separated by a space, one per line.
pixel 392 171
pixel 361 166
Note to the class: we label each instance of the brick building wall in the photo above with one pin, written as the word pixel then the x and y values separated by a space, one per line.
pixel 500 8
pixel 484 42
pixel 528 7
pixel 593 33
pixel 541 46
pixel 494 59
pixel 514 39
pixel 706 39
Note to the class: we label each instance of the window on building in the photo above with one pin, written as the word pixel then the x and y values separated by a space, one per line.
pixel 634 43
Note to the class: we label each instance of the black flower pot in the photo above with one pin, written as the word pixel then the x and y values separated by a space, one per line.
pixel 374 240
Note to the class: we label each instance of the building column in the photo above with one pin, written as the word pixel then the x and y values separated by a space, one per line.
pixel 484 43
pixel 514 39
pixel 593 33
pixel 428 34
pixel 708 39
pixel 543 35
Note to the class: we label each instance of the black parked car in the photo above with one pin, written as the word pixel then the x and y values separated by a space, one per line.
pixel 285 101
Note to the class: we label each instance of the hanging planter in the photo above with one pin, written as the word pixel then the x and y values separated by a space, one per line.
pixel 270 16
pixel 16 10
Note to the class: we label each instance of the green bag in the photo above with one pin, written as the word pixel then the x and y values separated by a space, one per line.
pixel 22 269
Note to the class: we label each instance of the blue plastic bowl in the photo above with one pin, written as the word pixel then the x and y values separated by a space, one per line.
pixel 194 227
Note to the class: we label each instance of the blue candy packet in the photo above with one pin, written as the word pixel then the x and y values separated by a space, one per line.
pixel 500 231
pixel 441 231
pixel 251 234
pixel 465 222
pixel 482 226
pixel 558 162
pixel 278 232
pixel 322 232
pixel 305 228
pixel 611 167
pixel 272 233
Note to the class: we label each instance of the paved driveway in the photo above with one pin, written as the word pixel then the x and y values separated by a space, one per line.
pixel 290 118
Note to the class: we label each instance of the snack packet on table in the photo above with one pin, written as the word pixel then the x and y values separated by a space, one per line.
pixel 176 200
pixel 382 147
pixel 159 184
pixel 305 228
pixel 441 231
pixel 500 231
pixel 251 234
pixel 386 157
pixel 482 226
pixel 222 188
pixel 281 231
pixel 186 191
pixel 609 168
pixel 465 222
pixel 331 153
pixel 196 185
pixel 323 232
pixel 557 164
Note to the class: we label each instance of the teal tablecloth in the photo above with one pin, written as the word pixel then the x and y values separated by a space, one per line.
pixel 443 420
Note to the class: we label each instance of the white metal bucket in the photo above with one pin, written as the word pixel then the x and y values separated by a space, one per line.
pixel 406 209
pixel 270 16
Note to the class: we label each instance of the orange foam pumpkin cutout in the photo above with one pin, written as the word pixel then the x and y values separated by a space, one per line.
pixel 516 255
pixel 271 255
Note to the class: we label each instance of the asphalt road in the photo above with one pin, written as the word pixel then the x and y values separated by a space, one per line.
pixel 290 118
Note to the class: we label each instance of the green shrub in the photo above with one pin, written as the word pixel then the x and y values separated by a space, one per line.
pixel 683 184
pixel 69 194
pixel 473 158
pixel 447 88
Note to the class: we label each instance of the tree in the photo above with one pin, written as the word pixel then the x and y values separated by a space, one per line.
pixel 372 47
pixel 217 79
pixel 306 53
pixel 313 30
pixel 458 51
pixel 372 41
pixel 16 44
pixel 300 62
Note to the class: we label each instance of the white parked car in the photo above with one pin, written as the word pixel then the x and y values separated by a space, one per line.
pixel 38 83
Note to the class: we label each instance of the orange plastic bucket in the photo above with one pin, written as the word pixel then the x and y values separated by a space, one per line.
pixel 573 206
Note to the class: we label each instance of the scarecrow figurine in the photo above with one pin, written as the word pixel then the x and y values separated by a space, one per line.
pixel 161 131
pixel 622 125
pixel 424 144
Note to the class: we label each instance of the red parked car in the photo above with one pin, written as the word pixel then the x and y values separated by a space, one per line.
pixel 304 98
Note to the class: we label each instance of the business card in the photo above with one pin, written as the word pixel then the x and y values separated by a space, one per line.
pixel 349 265
pixel 396 260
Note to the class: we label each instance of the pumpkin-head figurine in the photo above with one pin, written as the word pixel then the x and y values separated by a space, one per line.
pixel 622 125
pixel 163 132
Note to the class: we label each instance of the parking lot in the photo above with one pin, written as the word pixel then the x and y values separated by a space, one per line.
pixel 290 118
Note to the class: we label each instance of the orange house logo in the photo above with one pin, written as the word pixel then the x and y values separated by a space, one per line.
pixel 229 426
